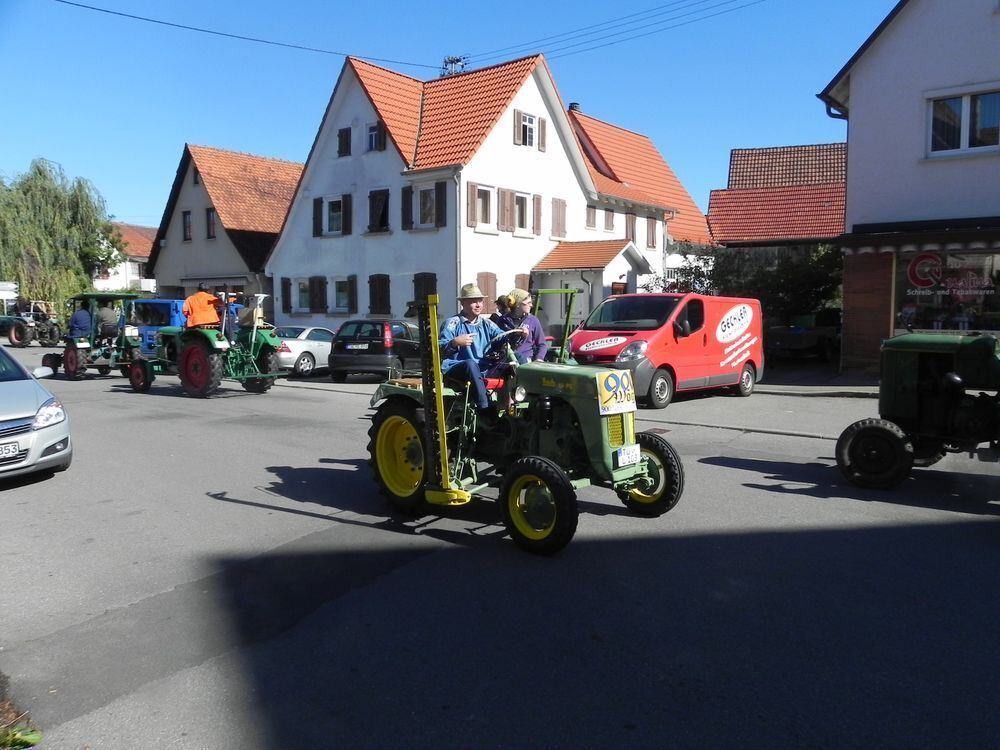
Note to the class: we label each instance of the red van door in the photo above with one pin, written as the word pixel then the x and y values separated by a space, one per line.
pixel 689 353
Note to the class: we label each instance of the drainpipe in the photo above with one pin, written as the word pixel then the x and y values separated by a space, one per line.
pixel 458 228
pixel 590 292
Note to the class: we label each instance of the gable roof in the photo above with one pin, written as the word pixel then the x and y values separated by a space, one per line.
pixel 590 256
pixel 837 91
pixel 138 240
pixel 251 195
pixel 815 164
pixel 777 214
pixel 635 164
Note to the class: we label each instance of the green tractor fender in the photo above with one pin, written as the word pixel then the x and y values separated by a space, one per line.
pixel 392 390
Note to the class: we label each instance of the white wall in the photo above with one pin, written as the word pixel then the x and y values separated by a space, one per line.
pixel 124 276
pixel 932 45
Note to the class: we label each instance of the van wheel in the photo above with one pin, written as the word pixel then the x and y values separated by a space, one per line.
pixel 747 378
pixel 661 389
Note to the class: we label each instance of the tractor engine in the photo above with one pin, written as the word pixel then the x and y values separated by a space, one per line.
pixel 976 419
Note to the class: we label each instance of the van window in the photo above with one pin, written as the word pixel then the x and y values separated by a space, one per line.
pixel 631 313
pixel 694 314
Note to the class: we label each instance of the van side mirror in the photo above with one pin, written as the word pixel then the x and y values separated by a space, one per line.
pixel 682 329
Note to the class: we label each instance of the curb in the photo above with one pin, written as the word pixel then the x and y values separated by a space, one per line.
pixel 816 393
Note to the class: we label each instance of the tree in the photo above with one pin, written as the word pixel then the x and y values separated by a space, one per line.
pixel 55 234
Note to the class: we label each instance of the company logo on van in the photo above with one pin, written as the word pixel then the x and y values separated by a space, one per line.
pixel 602 343
pixel 734 323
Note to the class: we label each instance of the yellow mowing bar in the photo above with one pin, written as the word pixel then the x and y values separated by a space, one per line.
pixel 621 429
pixel 432 303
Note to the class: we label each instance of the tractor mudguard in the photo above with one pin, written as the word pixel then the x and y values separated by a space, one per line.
pixel 393 390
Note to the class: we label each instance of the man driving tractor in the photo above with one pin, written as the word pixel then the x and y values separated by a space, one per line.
pixel 202 308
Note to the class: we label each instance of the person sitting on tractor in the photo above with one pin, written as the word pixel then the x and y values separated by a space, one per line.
pixel 464 339
pixel 201 308
pixel 534 347
pixel 107 321
pixel 79 322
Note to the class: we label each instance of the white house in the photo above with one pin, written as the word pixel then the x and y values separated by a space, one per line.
pixel 922 241
pixel 131 273
pixel 413 186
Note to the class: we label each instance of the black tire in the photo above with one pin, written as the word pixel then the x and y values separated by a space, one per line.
pixel 395 369
pixel 927 453
pixel 666 473
pixel 103 370
pixel 19 334
pixel 538 504
pixel 304 365
pixel 125 370
pixel 748 379
pixel 338 376
pixel 661 389
pixel 875 453
pixel 55 335
pixel 200 369
pixel 267 361
pixel 140 376
pixel 398 457
pixel 72 362
pixel 51 360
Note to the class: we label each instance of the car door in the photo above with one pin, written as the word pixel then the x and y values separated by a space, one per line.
pixel 318 342
pixel 405 343
pixel 690 351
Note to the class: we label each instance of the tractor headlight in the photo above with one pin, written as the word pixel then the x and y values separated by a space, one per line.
pixel 520 394
pixel 50 413
pixel 633 351
pixel 132 332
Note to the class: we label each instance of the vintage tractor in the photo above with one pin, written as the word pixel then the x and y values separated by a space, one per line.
pixel 37 322
pixel 104 348
pixel 925 408
pixel 245 351
pixel 560 427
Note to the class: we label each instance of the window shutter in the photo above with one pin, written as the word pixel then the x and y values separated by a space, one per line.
pixel 378 294
pixel 317 294
pixel 650 231
pixel 537 217
pixel 286 294
pixel 380 136
pixel 522 281
pixel 352 294
pixel 630 227
pixel 472 215
pixel 440 204
pixel 424 283
pixel 609 219
pixel 344 142
pixel 487 281
pixel 517 127
pixel 591 217
pixel 541 133
pixel 317 217
pixel 407 207
pixel 345 214
pixel 502 210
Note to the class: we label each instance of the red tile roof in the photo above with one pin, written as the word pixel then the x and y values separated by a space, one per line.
pixel 396 98
pixel 250 193
pixel 777 214
pixel 635 164
pixel 581 255
pixel 816 164
pixel 138 240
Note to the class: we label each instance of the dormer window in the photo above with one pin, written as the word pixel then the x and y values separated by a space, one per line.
pixel 529 130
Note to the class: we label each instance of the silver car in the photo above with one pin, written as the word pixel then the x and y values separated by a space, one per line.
pixel 303 347
pixel 34 425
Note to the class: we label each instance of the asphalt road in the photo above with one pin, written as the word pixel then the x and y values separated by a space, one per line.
pixel 222 574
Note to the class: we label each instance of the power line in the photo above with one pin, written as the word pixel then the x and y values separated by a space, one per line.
pixel 242 38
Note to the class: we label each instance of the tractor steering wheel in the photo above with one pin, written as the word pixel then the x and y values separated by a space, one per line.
pixel 497 350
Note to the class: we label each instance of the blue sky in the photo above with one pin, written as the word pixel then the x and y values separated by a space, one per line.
pixel 114 100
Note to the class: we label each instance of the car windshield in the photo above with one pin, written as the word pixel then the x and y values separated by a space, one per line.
pixel 288 332
pixel 9 369
pixel 641 313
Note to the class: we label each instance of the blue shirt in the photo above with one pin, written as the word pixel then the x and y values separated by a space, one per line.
pixel 483 331
pixel 79 324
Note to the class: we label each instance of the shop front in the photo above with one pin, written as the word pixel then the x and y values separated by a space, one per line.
pixel 947 292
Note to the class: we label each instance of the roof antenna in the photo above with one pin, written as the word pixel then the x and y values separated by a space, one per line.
pixel 453 65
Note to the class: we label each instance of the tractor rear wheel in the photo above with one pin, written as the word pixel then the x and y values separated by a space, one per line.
pixel 538 504
pixel 200 369
pixel 73 364
pixel 267 361
pixel 666 478
pixel 398 457
pixel 19 334
pixel 874 453
pixel 139 377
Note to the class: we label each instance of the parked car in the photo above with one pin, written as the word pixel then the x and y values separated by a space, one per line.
pixel 302 347
pixel 34 425
pixel 374 346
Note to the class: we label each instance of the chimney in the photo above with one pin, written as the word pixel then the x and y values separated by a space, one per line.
pixel 574 106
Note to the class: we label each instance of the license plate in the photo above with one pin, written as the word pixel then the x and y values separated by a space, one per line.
pixel 9 449
pixel 357 346
pixel 628 455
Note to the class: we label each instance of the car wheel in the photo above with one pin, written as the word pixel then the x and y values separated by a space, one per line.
pixel 338 376
pixel 661 389
pixel 747 380
pixel 304 365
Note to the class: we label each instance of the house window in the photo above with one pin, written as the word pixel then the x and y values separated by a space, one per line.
pixel 301 303
pixel 609 220
pixel 425 207
pixel 341 294
pixel 965 122
pixel 483 209
pixel 334 216
pixel 186 223
pixel 378 211
pixel 591 217
pixel 195 176
pixel 344 142
pixel 522 208
pixel 375 136
pixel 210 223
pixel 527 130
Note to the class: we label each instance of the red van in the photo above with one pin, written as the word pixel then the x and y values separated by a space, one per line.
pixel 675 342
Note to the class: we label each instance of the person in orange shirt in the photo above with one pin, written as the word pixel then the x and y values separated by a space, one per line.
pixel 202 308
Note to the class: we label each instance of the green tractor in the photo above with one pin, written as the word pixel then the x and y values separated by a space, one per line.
pixel 242 348
pixel 561 427
pixel 105 347
pixel 925 410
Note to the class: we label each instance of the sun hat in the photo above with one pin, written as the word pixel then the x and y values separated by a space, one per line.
pixel 471 291
pixel 516 297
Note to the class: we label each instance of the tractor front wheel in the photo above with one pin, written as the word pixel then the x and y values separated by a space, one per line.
pixel 398 457
pixel 267 361
pixel 73 364
pixel 200 369
pixel 140 376
pixel 874 453
pixel 665 478
pixel 538 504
pixel 19 334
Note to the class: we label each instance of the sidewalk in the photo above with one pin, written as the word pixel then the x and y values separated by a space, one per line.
pixel 810 378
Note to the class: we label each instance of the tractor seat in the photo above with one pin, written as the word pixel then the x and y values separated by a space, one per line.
pixel 493 384
pixel 457 384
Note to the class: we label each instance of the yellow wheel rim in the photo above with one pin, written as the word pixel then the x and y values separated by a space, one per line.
pixel 657 478
pixel 400 456
pixel 531 506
